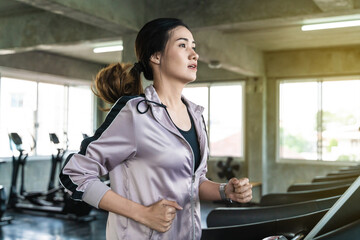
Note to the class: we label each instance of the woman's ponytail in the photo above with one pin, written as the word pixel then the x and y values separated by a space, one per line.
pixel 117 80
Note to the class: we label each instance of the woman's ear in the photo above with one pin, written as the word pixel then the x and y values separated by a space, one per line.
pixel 155 58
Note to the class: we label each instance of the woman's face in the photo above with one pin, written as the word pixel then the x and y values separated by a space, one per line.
pixel 178 62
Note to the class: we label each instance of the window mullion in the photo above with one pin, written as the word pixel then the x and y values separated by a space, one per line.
pixel 320 122
pixel 209 110
pixel 36 119
pixel 66 115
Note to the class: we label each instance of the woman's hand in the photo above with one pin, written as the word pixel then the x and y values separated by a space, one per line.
pixel 239 190
pixel 160 215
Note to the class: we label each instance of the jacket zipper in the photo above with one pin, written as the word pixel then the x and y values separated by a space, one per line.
pixel 192 175
pixel 192 192
pixel 192 182
pixel 192 188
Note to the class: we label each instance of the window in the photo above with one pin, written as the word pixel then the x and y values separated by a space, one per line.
pixel 35 109
pixel 224 107
pixel 80 115
pixel 17 112
pixel 319 120
pixel 51 116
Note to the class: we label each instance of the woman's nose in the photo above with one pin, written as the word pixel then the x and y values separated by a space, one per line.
pixel 194 55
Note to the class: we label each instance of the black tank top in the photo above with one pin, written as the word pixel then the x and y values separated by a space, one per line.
pixel 192 139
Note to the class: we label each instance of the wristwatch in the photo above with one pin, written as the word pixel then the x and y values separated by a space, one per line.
pixel 222 192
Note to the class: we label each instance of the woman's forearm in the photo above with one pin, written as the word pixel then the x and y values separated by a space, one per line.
pixel 238 190
pixel 209 191
pixel 115 203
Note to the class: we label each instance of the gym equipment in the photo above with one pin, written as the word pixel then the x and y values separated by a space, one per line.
pixel 224 216
pixel 273 199
pixel 341 221
pixel 3 220
pixel 352 176
pixel 56 162
pixel 351 168
pixel 227 169
pixel 55 201
pixel 348 231
pixel 290 228
pixel 318 185
pixel 342 173
pixel 345 211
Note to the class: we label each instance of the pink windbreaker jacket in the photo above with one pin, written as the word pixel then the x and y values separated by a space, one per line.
pixel 147 160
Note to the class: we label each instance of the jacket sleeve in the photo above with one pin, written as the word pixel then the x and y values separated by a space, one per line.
pixel 112 143
pixel 206 154
pixel 203 177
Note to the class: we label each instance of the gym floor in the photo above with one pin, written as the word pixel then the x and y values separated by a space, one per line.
pixel 26 226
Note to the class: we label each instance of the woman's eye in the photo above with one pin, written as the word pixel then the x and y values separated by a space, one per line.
pixel 194 48
pixel 182 45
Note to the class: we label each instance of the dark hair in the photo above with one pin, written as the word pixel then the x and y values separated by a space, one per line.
pixel 118 80
pixel 152 38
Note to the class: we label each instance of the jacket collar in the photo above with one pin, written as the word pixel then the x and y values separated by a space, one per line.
pixel 151 94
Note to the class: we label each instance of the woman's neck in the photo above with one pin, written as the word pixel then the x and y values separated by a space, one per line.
pixel 169 94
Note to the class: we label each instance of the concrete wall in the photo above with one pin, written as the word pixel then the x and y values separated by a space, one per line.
pixel 37 65
pixel 319 62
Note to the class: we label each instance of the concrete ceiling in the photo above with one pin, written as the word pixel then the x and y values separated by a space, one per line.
pixel 234 32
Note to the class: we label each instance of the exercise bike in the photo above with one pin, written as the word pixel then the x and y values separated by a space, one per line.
pixel 56 163
pixel 55 201
pixel 8 219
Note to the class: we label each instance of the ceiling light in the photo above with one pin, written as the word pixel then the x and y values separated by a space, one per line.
pixel 58 12
pixel 330 25
pixel 7 51
pixel 114 48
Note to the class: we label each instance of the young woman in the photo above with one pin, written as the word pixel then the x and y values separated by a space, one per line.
pixel 152 145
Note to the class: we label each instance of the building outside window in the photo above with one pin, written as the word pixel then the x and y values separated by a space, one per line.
pixel 319 119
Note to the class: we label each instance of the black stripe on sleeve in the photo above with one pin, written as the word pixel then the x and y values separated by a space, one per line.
pixel 114 111
pixel 68 184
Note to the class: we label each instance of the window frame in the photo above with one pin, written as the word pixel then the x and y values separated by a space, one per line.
pixel 48 79
pixel 302 161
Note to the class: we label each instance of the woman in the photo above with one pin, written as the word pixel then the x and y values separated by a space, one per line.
pixel 154 146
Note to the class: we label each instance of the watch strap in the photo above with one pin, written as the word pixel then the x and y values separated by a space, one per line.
pixel 222 191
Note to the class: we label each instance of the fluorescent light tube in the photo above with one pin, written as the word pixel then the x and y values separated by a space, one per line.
pixel 115 48
pixel 321 26
pixel 7 51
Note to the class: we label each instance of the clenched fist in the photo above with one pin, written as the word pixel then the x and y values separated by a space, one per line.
pixel 239 190
pixel 160 215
